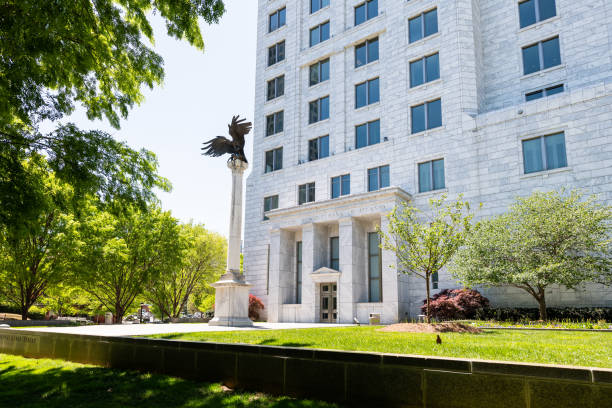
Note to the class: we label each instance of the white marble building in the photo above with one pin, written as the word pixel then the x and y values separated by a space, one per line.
pixel 360 105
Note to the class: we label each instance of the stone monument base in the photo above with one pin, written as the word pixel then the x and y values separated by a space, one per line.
pixel 231 301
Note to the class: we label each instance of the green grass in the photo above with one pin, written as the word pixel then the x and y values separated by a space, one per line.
pixel 590 349
pixel 54 383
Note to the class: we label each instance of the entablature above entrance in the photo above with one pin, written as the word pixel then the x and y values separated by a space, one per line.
pixel 363 205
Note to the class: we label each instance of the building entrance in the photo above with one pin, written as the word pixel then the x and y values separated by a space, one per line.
pixel 329 303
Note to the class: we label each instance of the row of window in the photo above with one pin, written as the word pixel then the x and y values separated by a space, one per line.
pixel 530 12
pixel 362 12
pixel 424 116
pixel 539 154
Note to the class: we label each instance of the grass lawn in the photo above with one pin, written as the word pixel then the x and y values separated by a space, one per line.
pixel 590 349
pixel 54 383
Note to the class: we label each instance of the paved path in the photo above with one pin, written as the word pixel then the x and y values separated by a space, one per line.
pixel 146 329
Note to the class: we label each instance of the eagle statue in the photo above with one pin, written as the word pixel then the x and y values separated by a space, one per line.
pixel 220 145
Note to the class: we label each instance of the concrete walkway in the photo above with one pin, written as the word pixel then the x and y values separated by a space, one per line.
pixel 147 329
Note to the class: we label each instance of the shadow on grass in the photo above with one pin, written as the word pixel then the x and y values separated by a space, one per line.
pixel 102 387
pixel 274 342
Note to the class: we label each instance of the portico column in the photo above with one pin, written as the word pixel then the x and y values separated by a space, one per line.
pixel 351 285
pixel 308 266
pixel 389 279
pixel 274 278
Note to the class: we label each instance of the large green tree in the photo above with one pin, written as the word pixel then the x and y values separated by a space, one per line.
pixel 424 242
pixel 55 55
pixel 124 253
pixel 203 261
pixel 39 253
pixel 548 238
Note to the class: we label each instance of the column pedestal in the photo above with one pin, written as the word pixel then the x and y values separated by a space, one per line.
pixel 231 291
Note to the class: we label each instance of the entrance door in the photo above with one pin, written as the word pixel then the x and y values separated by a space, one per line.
pixel 329 303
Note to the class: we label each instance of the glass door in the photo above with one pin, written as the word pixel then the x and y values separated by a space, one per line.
pixel 329 303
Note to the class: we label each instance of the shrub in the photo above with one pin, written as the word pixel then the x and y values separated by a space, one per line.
pixel 255 307
pixel 456 304
pixel 521 314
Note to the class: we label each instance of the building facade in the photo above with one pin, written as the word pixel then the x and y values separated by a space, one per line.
pixel 361 105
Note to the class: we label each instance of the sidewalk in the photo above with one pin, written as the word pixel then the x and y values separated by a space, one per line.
pixel 116 330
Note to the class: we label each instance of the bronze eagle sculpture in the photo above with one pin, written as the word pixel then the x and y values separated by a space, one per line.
pixel 220 145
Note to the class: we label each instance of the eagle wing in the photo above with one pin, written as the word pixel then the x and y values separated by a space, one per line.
pixel 238 128
pixel 218 147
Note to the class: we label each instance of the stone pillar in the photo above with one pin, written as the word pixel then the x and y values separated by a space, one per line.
pixel 389 280
pixel 352 287
pixel 231 291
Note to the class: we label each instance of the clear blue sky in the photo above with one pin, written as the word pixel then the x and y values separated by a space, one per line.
pixel 201 92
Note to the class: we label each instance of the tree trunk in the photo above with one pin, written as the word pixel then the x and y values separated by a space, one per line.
pixel 428 292
pixel 119 312
pixel 542 305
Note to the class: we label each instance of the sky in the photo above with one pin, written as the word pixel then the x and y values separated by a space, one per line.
pixel 200 94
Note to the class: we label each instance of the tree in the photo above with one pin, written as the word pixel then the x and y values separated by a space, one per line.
pixel 203 260
pixel 37 254
pixel 124 253
pixel 57 54
pixel 548 238
pixel 424 243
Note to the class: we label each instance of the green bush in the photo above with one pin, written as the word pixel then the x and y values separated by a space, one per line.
pixel 573 314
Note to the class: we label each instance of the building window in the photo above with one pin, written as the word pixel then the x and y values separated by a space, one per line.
pixel 276 53
pixel 378 178
pixel 298 272
pixel 319 72
pixel 426 116
pixel 319 33
pixel 276 87
pixel 277 19
pixel 274 123
pixel 270 203
pixel 431 175
pixel 306 193
pixel 541 93
pixel 366 11
pixel 424 70
pixel 544 153
pixel 366 52
pixel 274 160
pixel 316 5
pixel 434 280
pixel 543 55
pixel 367 134
pixel 318 110
pixel 534 11
pixel 367 93
pixel 374 268
pixel 318 148
pixel 334 253
pixel 340 186
pixel 423 25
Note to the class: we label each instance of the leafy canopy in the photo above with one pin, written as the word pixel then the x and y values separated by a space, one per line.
pixel 37 257
pixel 124 253
pixel 202 262
pixel 545 239
pixel 56 53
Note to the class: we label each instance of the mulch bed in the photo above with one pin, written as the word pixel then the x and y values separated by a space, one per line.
pixel 431 328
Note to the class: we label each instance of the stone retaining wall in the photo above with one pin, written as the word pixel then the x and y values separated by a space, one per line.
pixel 356 378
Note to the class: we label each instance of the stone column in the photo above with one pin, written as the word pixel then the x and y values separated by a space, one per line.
pixel 231 291
pixel 352 287
pixel 389 280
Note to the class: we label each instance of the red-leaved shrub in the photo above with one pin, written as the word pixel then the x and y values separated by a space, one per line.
pixel 452 304
pixel 255 307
